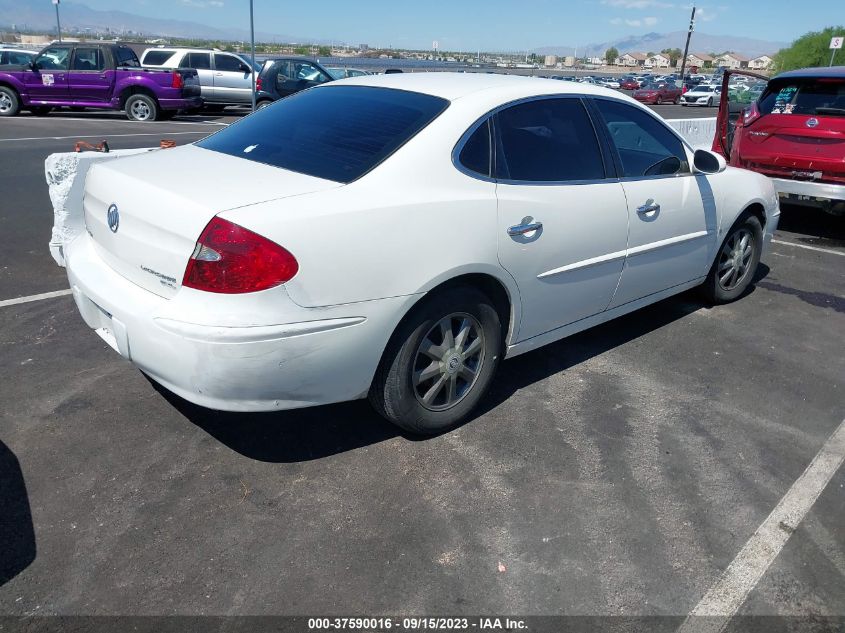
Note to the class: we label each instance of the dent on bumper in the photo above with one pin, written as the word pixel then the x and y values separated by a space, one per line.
pixel 316 356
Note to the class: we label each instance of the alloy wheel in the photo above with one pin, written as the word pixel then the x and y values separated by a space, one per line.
pixel 448 361
pixel 140 110
pixel 5 102
pixel 734 259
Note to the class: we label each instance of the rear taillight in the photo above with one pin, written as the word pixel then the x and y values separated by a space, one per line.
pixel 231 259
pixel 176 80
pixel 750 114
pixel 258 85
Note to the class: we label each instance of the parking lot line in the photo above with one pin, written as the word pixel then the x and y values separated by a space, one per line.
pixel 729 593
pixel 43 295
pixel 811 248
pixel 62 138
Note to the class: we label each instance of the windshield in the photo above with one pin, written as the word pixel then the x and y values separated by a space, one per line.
pixel 336 132
pixel 808 96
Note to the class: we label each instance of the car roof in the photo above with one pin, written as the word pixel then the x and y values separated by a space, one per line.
pixel 451 86
pixel 827 71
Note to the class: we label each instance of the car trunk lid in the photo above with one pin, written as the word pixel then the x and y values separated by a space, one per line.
pixel 144 213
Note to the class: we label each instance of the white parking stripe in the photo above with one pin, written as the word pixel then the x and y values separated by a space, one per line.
pixel 62 138
pixel 810 248
pixel 728 594
pixel 43 295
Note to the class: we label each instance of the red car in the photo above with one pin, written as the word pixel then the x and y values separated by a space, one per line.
pixel 629 83
pixel 793 132
pixel 658 93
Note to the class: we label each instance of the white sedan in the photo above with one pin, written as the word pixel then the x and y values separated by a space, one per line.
pixel 395 237
pixel 702 95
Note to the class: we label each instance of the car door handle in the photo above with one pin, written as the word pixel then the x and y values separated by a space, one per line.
pixel 218 74
pixel 526 227
pixel 649 208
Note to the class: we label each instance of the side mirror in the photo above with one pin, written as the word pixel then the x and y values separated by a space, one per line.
pixel 707 162
pixel 244 68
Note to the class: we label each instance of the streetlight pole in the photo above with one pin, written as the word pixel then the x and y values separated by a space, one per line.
pixel 58 23
pixel 252 50
pixel 686 47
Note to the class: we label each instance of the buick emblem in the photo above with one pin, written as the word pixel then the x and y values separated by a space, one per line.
pixel 812 122
pixel 113 217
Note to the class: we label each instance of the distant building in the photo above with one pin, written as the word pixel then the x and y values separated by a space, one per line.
pixel 363 47
pixel 551 60
pixel 657 61
pixel 569 61
pixel 632 59
pixel 763 62
pixel 598 61
pixel 734 61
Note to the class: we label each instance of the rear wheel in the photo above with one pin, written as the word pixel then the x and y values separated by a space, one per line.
pixel 677 100
pixel 262 104
pixel 439 362
pixel 736 261
pixel 140 107
pixel 10 104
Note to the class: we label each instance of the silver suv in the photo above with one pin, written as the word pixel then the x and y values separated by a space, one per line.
pixel 225 78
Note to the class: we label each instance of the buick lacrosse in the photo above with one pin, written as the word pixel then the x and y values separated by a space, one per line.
pixel 395 237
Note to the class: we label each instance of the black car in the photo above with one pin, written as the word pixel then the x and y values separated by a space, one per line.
pixel 284 76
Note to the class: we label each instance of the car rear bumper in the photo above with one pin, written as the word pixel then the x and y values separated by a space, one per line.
pixel 190 103
pixel 801 188
pixel 264 358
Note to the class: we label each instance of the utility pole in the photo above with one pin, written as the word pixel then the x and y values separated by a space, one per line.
pixel 252 50
pixel 58 24
pixel 686 47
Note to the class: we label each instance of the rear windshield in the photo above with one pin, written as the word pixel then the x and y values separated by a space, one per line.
pixel 808 96
pixel 335 132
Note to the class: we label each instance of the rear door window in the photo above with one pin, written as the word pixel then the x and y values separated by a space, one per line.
pixel 335 132
pixel 547 140
pixel 808 96
pixel 200 61
pixel 88 59
pixel 126 57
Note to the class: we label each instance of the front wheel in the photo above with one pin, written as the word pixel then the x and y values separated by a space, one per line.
pixel 710 102
pixel 736 262
pixel 140 107
pixel 10 104
pixel 439 362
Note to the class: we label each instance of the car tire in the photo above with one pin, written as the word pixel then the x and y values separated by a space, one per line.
pixel 141 107
pixel 736 261
pixel 41 110
pixel 10 103
pixel 710 102
pixel 262 104
pixel 426 399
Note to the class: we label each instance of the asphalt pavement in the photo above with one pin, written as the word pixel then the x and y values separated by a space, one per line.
pixel 617 472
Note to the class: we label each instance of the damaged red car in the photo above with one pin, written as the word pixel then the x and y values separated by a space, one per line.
pixel 793 132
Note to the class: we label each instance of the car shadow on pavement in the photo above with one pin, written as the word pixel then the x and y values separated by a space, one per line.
pixel 812 226
pixel 17 536
pixel 312 433
pixel 289 436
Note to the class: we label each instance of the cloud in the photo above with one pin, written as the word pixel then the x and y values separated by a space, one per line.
pixel 649 21
pixel 638 4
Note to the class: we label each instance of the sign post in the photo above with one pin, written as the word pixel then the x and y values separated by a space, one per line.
pixel 835 45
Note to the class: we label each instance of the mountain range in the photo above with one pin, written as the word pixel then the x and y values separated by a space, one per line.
pixel 656 42
pixel 78 17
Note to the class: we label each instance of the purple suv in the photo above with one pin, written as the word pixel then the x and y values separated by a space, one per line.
pixel 94 75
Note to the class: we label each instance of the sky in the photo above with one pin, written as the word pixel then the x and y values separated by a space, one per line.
pixel 495 24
